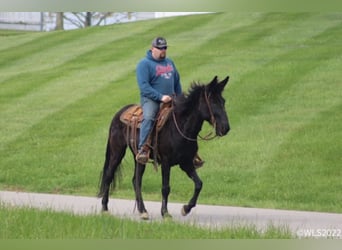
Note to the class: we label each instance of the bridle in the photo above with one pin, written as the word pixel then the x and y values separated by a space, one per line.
pixel 212 120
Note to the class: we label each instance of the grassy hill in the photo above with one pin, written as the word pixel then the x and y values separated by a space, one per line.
pixel 59 91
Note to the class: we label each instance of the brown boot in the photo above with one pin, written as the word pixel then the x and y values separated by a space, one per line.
pixel 143 155
pixel 198 162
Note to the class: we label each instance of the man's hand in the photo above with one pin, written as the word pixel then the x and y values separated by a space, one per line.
pixel 166 98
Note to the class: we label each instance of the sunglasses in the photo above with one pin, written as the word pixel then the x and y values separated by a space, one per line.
pixel 162 48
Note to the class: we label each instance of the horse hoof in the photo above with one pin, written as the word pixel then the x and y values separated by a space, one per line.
pixel 144 216
pixel 104 210
pixel 183 211
pixel 167 216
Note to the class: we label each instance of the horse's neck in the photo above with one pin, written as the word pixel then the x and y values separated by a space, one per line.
pixel 194 124
pixel 191 122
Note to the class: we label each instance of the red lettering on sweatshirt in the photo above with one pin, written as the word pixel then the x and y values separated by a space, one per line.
pixel 160 70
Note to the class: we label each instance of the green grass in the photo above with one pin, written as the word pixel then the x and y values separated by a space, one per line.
pixel 27 223
pixel 59 91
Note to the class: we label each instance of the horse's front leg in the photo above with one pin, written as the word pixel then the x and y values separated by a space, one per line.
pixel 165 170
pixel 197 189
pixel 137 184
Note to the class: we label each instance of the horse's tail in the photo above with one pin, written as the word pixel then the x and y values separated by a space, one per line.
pixel 110 173
pixel 116 148
pixel 103 174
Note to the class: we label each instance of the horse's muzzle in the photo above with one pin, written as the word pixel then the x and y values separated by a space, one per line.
pixel 222 130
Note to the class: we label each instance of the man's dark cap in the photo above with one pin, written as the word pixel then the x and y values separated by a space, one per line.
pixel 159 42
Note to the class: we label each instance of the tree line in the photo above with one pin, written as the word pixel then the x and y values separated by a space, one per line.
pixel 87 19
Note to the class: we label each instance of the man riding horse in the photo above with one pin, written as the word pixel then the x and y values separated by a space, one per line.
pixel 158 81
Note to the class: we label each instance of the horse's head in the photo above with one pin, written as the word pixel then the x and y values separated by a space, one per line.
pixel 203 103
pixel 212 107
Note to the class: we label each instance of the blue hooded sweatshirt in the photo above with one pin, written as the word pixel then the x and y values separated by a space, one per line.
pixel 157 77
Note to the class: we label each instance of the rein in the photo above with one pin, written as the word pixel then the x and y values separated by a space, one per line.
pixel 212 119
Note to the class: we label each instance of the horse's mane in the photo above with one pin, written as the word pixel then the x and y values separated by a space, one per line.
pixel 186 101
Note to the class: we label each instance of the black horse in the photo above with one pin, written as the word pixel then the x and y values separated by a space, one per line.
pixel 177 143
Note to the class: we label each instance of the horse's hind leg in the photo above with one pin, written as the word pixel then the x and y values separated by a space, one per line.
pixel 108 176
pixel 137 184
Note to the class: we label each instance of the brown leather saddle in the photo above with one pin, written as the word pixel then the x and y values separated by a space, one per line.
pixel 133 117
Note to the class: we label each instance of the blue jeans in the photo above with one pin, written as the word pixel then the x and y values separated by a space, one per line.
pixel 150 109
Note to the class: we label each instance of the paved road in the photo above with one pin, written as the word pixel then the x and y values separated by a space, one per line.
pixel 310 224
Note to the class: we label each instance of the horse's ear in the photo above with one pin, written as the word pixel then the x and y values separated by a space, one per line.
pixel 213 84
pixel 224 81
pixel 222 84
pixel 214 81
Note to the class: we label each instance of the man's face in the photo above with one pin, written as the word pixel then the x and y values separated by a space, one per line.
pixel 159 53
